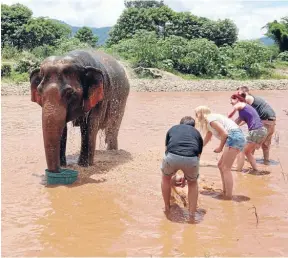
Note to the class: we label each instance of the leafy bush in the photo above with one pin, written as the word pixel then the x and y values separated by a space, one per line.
pixel 66 45
pixel 142 49
pixel 27 63
pixel 9 52
pixel 19 77
pixel 283 56
pixel 6 70
pixel 245 59
pixel 202 58
pixel 44 51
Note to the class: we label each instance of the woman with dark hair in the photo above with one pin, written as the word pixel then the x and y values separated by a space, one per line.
pixel 257 131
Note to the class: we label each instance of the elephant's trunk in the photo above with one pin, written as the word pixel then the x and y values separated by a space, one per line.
pixel 53 121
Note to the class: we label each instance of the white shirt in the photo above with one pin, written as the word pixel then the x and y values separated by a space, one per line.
pixel 226 122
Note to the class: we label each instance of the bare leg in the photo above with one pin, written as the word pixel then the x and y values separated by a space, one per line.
pixel 267 141
pixel 221 173
pixel 166 191
pixel 192 195
pixel 249 147
pixel 228 158
pixel 240 160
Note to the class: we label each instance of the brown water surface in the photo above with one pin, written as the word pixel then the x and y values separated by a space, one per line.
pixel 115 208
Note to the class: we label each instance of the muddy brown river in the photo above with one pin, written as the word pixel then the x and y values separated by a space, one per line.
pixel 116 208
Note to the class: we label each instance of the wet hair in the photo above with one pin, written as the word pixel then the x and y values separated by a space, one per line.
pixel 241 97
pixel 188 120
pixel 243 88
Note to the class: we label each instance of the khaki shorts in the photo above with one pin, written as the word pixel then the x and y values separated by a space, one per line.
pixel 257 135
pixel 189 165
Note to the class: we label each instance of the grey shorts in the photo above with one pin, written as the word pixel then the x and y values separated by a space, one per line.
pixel 257 135
pixel 189 165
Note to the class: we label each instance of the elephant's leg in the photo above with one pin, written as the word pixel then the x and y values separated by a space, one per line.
pixel 115 116
pixel 89 132
pixel 83 158
pixel 63 147
pixel 92 130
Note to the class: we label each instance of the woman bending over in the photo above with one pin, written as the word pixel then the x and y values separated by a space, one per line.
pixel 257 131
pixel 232 142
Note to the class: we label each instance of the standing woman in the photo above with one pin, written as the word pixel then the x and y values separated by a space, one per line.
pixel 257 131
pixel 232 142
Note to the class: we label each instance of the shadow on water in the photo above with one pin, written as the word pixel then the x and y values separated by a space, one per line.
pixel 217 194
pixel 252 172
pixel 104 161
pixel 181 215
pixel 271 162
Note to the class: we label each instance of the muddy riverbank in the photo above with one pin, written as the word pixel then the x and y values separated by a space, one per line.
pixel 171 83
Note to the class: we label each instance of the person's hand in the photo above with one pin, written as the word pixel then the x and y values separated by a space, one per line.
pixel 218 150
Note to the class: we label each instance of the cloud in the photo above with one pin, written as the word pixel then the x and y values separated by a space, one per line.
pixel 249 16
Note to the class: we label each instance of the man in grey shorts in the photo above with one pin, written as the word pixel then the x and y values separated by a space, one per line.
pixel 184 146
pixel 268 117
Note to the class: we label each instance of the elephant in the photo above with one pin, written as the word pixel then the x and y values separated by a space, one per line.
pixel 86 87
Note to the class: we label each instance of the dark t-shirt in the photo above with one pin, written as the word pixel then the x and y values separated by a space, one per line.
pixel 264 110
pixel 184 140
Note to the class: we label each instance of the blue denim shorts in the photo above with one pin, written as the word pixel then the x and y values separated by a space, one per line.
pixel 236 139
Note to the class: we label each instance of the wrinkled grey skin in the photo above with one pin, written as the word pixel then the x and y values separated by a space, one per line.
pixel 62 87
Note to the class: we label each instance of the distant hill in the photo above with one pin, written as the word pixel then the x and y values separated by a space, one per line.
pixel 102 33
pixel 267 41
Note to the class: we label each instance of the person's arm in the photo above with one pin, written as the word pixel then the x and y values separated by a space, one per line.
pixel 239 121
pixel 232 113
pixel 200 145
pixel 207 138
pixel 222 133
pixel 236 108
pixel 249 99
pixel 167 140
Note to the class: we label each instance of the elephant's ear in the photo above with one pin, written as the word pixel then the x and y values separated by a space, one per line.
pixel 35 80
pixel 94 87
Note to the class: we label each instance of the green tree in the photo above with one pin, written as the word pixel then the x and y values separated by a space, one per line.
pixel 165 22
pixel 143 3
pixel 186 25
pixel 44 31
pixel 85 34
pixel 279 32
pixel 161 18
pixel 13 20
pixel 222 32
pixel 131 20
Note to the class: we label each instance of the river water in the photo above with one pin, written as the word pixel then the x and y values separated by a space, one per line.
pixel 116 207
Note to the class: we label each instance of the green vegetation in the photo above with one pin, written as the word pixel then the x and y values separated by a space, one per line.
pixel 148 34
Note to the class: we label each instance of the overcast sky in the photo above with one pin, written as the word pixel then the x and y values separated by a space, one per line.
pixel 249 16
